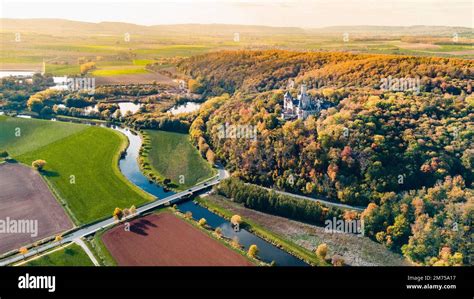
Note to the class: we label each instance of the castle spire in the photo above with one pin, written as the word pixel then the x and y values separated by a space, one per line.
pixel 303 89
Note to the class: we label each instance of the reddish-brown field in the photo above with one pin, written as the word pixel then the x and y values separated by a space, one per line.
pixel 25 196
pixel 166 240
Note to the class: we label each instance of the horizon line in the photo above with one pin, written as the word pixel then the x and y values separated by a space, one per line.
pixel 236 24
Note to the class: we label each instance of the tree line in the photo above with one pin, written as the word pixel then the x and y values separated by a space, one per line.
pixel 261 199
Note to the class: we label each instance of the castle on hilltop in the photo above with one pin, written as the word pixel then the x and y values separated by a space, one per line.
pixel 303 105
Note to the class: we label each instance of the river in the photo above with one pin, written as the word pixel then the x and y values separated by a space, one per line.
pixel 131 170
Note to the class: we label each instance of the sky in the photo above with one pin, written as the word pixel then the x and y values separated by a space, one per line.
pixel 282 13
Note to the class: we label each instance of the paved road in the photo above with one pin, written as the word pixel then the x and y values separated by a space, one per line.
pixel 87 251
pixel 90 229
pixel 328 203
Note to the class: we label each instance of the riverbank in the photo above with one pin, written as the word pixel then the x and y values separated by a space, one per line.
pixel 252 226
pixel 129 168
pixel 356 251
pixel 212 234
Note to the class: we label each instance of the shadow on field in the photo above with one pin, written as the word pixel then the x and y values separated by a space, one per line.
pixel 141 226
pixel 50 174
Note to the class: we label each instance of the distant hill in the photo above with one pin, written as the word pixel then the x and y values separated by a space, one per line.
pixel 67 27
pixel 397 30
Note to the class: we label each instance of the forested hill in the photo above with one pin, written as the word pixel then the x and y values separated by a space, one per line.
pixel 408 155
pixel 266 70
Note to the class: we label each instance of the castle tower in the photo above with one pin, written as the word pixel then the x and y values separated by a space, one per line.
pixel 303 89
pixel 304 98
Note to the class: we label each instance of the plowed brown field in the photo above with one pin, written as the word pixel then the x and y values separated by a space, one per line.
pixel 25 196
pixel 166 240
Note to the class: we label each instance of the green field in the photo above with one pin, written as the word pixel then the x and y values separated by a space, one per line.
pixel 18 135
pixel 82 165
pixel 173 156
pixel 125 70
pixel 72 255
pixel 63 70
pixel 61 43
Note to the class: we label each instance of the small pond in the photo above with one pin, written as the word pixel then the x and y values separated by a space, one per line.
pixel 123 106
pixel 185 108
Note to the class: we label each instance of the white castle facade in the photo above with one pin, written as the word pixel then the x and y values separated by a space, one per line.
pixel 302 106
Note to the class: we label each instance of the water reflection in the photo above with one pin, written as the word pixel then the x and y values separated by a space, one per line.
pixel 185 108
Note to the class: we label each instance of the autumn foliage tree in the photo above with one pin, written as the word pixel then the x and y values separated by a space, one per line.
pixel 117 214
pixel 253 251
pixel 322 250
pixel 38 164
pixel 406 155
pixel 236 219
pixel 202 222
pixel 23 251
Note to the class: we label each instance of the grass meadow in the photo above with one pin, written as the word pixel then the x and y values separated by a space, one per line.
pixel 71 255
pixel 19 135
pixel 172 156
pixel 82 165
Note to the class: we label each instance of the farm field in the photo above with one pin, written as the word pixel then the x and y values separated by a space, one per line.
pixel 91 157
pixel 20 135
pixel 71 255
pixel 172 155
pixel 118 57
pixel 165 240
pixel 26 196
pixel 82 164
pixel 357 251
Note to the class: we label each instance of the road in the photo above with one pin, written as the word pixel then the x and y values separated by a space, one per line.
pixel 328 203
pixel 90 229
pixel 87 251
pixel 93 228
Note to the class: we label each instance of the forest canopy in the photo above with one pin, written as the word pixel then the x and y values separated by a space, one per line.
pixel 407 155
